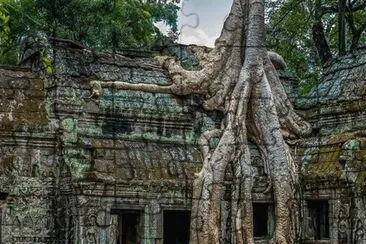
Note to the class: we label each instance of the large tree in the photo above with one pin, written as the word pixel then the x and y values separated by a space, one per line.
pixel 101 25
pixel 239 79
pixel 309 33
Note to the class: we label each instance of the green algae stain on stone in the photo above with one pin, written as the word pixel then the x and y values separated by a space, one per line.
pixel 341 159
pixel 139 102
pixel 76 159
pixel 78 162
pixel 78 167
pixel 69 134
pixel 321 162
pixel 133 115
pixel 69 125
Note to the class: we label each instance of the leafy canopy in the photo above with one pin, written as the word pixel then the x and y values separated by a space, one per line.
pixel 291 25
pixel 98 24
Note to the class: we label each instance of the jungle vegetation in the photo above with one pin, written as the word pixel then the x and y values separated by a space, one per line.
pixel 306 33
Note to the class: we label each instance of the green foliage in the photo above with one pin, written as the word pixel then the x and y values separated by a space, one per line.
pixel 46 61
pixel 290 24
pixel 4 32
pixel 107 24
pixel 24 21
pixel 289 28
pixel 4 18
pixel 98 24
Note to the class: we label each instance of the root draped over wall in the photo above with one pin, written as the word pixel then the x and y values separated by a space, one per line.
pixel 239 78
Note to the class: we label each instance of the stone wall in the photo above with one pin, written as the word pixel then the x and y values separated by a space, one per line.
pixel 29 161
pixel 71 165
pixel 333 159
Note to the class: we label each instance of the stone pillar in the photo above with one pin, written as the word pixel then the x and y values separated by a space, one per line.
pixel 343 218
pixel 334 206
pixel 6 223
pixel 153 223
pixel 359 222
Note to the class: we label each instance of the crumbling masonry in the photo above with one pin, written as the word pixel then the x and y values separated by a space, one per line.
pixel 79 164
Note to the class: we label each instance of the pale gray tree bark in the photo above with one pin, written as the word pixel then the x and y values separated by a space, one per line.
pixel 239 78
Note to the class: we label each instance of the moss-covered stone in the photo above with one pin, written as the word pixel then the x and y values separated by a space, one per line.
pixel 68 160
pixel 22 101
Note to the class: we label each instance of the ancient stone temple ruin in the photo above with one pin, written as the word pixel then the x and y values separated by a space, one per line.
pixel 117 166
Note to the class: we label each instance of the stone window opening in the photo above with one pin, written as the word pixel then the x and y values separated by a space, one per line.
pixel 176 226
pixel 318 219
pixel 263 220
pixel 129 226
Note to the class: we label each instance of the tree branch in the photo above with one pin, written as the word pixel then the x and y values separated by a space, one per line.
pixel 334 9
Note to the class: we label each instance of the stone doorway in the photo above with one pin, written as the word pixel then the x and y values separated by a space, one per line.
pixel 129 227
pixel 176 226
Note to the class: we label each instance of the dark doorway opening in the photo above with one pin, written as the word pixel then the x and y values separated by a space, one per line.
pixel 319 219
pixel 129 230
pixel 261 212
pixel 176 226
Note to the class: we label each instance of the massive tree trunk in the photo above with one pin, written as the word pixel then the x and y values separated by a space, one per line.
pixel 321 42
pixel 239 78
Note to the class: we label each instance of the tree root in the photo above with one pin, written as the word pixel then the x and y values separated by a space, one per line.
pixel 239 78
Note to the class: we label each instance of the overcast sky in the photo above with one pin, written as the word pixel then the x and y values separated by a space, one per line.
pixel 208 15
pixel 200 21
